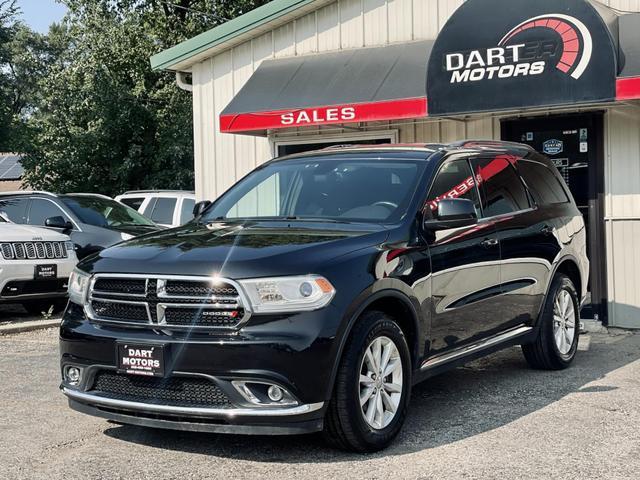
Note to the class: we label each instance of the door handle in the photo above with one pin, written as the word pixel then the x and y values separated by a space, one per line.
pixel 546 230
pixel 489 242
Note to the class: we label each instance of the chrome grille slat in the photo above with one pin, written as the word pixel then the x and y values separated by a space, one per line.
pixel 178 302
pixel 7 251
pixel 33 250
pixel 18 249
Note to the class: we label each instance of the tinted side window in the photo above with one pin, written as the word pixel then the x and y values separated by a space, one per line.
pixel 150 206
pixel 163 210
pixel 14 208
pixel 132 202
pixel 453 180
pixel 501 189
pixel 186 212
pixel 543 184
pixel 42 209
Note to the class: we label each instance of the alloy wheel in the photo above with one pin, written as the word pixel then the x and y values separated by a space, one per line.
pixel 564 321
pixel 380 382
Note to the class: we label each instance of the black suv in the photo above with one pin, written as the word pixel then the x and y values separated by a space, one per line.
pixel 92 221
pixel 315 292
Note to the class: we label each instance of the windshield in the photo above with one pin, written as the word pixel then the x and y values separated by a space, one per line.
pixel 104 212
pixel 332 189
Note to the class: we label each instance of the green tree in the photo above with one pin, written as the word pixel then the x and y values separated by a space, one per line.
pixel 103 121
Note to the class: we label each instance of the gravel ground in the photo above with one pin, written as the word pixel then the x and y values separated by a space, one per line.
pixel 494 418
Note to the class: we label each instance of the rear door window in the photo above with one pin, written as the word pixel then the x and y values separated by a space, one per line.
pixel 543 184
pixel 501 189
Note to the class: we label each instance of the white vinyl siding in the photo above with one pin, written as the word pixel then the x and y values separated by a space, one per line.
pixel 622 214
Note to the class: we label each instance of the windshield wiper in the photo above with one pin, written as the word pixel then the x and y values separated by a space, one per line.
pixel 283 218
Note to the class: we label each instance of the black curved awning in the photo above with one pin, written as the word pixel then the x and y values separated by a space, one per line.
pixel 365 84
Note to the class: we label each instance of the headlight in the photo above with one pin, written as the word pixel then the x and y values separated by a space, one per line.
pixel 288 294
pixel 78 286
pixel 70 246
pixel 126 236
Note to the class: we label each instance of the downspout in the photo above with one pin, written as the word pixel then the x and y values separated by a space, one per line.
pixel 184 81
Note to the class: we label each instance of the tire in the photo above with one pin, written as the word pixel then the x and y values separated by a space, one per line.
pixel 38 307
pixel 347 425
pixel 547 351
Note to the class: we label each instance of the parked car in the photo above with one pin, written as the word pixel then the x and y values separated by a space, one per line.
pixel 357 273
pixel 169 208
pixel 92 221
pixel 35 264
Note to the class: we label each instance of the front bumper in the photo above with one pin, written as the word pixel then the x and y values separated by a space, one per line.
pixel 272 421
pixel 17 283
pixel 294 352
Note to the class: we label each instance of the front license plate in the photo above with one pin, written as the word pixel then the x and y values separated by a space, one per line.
pixel 43 272
pixel 139 359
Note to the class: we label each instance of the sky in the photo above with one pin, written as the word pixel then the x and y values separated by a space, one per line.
pixel 39 14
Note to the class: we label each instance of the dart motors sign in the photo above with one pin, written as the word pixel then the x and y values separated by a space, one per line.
pixel 496 54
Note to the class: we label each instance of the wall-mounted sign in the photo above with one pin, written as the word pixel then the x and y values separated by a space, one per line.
pixel 552 147
pixel 547 52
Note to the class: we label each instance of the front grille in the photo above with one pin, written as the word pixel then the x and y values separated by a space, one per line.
pixel 199 289
pixel 205 317
pixel 121 285
pixel 125 312
pixel 172 391
pixel 166 302
pixel 33 250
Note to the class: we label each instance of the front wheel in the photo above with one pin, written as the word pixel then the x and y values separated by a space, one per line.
pixel 371 394
pixel 557 342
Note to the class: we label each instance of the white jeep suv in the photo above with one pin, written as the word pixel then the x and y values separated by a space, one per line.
pixel 35 264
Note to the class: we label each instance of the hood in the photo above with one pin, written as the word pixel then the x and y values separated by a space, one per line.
pixel 11 232
pixel 137 230
pixel 237 250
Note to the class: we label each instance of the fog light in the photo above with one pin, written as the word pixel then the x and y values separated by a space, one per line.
pixel 274 393
pixel 73 375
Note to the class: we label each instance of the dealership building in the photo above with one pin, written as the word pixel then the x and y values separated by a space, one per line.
pixel 560 75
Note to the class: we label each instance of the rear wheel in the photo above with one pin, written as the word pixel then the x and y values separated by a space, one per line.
pixel 373 384
pixel 46 307
pixel 557 341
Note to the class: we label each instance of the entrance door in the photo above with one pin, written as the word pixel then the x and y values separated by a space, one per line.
pixel 575 145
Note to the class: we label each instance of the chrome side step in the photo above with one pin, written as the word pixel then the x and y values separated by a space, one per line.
pixel 495 340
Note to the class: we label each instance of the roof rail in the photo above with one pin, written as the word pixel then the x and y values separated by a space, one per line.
pixel 157 191
pixel 489 144
pixel 28 192
pixel 81 194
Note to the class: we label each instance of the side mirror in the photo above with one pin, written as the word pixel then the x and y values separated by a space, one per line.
pixel 59 223
pixel 452 213
pixel 200 207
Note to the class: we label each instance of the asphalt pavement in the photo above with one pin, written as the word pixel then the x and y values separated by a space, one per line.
pixel 493 419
